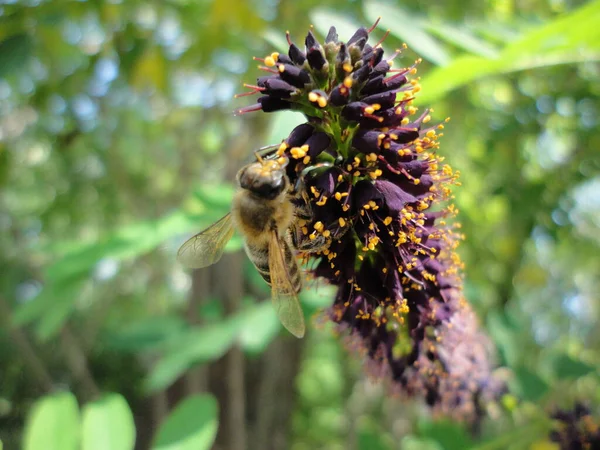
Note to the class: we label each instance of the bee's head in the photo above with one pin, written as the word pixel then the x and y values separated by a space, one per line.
pixel 265 178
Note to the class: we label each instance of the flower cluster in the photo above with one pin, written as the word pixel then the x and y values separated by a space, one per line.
pixel 576 429
pixel 372 187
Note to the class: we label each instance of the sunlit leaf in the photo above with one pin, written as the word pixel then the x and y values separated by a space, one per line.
pixel 53 424
pixel 259 327
pixel 461 38
pixel 196 346
pixel 191 426
pixel 108 424
pixel 572 38
pixel 407 27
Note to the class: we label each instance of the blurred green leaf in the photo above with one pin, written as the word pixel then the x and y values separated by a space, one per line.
pixel 145 334
pixel 14 53
pixel 191 426
pixel 407 27
pixel 108 424
pixel 417 443
pixel 451 435
pixel 571 38
pixel 371 437
pixel 196 346
pixel 260 326
pixel 461 38
pixel 124 243
pixel 528 385
pixel 565 367
pixel 53 424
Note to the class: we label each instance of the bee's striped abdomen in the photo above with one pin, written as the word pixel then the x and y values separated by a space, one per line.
pixel 259 256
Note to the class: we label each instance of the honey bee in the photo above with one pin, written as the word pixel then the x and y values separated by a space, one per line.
pixel 263 213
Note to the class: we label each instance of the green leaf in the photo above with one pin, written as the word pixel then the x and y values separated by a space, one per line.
pixel 461 38
pixel 53 424
pixel 451 435
pixel 415 443
pixel 196 346
pixel 259 327
pixel 191 426
pixel 14 52
pixel 566 367
pixel 108 424
pixel 572 38
pixel 145 334
pixel 407 28
pixel 528 385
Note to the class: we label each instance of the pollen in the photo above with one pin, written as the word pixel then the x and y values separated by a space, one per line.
pixel 298 152
pixel 304 230
pixel 282 148
pixel 270 61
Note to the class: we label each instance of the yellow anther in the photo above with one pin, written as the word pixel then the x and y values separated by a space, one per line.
pixel 348 80
pixel 281 68
pixel 369 110
pixel 322 201
pixel 322 102
pixel 342 222
pixel 337 196
pixel 427 118
pixel 306 159
pixel 318 226
pixel 270 61
pixel 313 97
pixel 387 221
pixel 326 233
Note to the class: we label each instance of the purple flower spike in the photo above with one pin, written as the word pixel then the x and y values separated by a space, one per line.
pixel 374 219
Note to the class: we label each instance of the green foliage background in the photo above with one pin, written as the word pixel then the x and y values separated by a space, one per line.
pixel 117 141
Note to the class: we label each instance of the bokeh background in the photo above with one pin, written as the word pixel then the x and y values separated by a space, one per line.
pixel 117 142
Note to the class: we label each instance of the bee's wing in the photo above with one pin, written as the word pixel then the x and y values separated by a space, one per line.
pixel 206 247
pixel 285 299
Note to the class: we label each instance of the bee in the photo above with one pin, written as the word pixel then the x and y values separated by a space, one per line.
pixel 262 211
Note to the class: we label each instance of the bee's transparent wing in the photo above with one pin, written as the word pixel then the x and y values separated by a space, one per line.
pixel 206 247
pixel 285 299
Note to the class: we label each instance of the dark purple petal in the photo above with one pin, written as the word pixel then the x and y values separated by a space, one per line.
pixel 296 55
pixel 395 198
pixel 272 104
pixel 332 35
pixel 294 75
